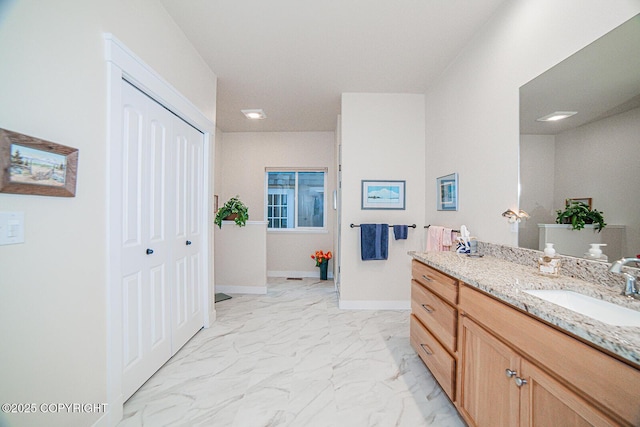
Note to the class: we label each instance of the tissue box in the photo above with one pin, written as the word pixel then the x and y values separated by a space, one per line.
pixel 549 265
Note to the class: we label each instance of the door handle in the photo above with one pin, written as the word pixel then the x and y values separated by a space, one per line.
pixel 149 251
pixel 188 242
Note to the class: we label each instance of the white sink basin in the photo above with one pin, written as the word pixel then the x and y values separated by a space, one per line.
pixel 603 311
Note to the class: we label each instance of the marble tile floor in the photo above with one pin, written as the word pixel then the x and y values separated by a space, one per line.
pixel 292 358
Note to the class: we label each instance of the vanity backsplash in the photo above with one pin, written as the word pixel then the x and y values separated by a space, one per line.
pixel 580 268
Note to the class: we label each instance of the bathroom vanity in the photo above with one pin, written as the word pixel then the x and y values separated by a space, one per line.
pixel 507 358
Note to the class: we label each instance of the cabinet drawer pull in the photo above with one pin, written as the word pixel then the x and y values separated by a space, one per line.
pixel 426 349
pixel 428 308
pixel 510 373
pixel 520 381
pixel 428 279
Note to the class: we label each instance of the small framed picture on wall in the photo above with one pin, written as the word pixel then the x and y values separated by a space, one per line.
pixel 447 192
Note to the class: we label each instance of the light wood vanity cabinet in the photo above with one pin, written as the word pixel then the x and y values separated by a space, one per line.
pixel 503 367
pixel 517 371
pixel 434 323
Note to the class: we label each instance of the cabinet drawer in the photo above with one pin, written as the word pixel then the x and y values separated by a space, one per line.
pixel 438 316
pixel 441 364
pixel 438 282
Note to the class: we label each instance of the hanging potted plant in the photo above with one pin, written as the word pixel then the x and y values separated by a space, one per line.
pixel 234 210
pixel 577 214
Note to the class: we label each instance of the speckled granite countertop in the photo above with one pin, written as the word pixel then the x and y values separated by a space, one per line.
pixel 506 280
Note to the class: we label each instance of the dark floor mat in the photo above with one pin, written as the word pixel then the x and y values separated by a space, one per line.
pixel 221 297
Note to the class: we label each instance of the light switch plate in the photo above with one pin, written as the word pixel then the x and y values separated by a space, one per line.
pixel 11 228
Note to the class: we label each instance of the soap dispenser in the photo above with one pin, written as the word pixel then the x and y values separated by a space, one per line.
pixel 595 252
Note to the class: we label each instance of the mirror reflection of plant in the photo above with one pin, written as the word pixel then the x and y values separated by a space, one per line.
pixel 233 206
pixel 578 214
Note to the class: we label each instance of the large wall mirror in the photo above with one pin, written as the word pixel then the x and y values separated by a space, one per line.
pixel 594 154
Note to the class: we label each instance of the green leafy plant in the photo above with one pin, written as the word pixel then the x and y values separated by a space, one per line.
pixel 578 214
pixel 232 209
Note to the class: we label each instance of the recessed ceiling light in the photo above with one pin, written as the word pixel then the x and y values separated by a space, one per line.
pixel 257 114
pixel 557 115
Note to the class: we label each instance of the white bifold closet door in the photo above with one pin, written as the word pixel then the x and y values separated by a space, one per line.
pixel 161 277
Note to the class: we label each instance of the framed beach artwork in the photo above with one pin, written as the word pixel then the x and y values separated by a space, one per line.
pixel 34 166
pixel 383 194
pixel 447 191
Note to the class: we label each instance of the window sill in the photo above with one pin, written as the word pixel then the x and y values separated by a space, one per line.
pixel 297 230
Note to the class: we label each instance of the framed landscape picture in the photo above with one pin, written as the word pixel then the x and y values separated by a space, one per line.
pixel 34 166
pixel 383 194
pixel 447 192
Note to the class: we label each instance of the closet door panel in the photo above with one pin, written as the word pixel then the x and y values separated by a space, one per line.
pixel 188 316
pixel 145 248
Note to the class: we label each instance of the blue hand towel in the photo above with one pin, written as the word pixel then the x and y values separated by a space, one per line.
pixel 374 241
pixel 400 231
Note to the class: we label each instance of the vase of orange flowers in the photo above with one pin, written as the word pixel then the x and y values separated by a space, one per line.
pixel 322 261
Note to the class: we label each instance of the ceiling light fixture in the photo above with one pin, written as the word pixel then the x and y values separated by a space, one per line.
pixel 556 115
pixel 257 114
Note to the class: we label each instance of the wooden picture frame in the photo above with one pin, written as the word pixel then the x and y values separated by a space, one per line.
pixel 447 192
pixel 36 167
pixel 383 194
pixel 585 200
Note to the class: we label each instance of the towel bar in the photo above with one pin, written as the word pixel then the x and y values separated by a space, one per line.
pixel 455 231
pixel 391 226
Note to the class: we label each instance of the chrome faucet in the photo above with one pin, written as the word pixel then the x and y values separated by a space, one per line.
pixel 630 287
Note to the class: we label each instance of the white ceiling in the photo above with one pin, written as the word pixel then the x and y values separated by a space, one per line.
pixel 293 58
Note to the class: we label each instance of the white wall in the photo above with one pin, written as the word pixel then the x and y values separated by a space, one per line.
pixel 241 257
pixel 537 177
pixel 53 288
pixel 244 157
pixel 472 110
pixel 601 160
pixel 382 139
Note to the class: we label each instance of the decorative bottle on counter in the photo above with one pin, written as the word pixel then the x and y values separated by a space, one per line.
pixel 549 263
pixel 549 250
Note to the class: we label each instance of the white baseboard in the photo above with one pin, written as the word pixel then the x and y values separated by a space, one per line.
pixel 241 289
pixel 374 305
pixel 311 274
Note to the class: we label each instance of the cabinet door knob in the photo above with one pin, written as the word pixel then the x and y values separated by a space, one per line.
pixel 149 251
pixel 520 381
pixel 510 373
pixel 188 242
pixel 428 308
